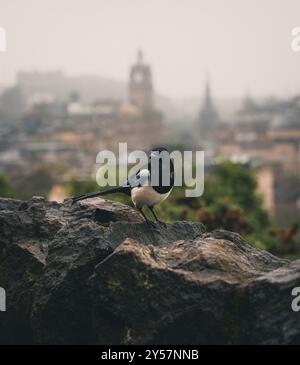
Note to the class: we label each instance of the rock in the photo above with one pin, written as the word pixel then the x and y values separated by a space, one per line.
pixel 96 273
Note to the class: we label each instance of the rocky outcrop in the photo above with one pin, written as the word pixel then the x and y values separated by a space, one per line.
pixel 97 273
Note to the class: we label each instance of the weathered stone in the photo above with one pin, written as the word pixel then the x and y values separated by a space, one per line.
pixel 96 273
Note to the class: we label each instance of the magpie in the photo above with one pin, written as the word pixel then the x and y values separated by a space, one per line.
pixel 151 184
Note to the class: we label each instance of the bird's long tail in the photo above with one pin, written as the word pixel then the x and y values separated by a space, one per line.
pixel 118 189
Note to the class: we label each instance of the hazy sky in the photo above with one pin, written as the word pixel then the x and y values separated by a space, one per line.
pixel 244 44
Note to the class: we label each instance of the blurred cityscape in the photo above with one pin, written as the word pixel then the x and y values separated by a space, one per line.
pixel 53 122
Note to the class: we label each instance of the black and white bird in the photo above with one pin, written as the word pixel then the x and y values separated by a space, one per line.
pixel 151 185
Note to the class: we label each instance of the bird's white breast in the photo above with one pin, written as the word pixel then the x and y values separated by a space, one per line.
pixel 146 195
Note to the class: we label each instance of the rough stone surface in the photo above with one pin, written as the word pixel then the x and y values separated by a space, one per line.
pixel 96 273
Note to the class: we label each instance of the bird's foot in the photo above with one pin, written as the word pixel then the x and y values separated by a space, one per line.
pixel 153 223
pixel 149 223
pixel 161 222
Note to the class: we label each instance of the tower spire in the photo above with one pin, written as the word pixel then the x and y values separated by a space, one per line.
pixel 140 56
pixel 207 88
pixel 208 120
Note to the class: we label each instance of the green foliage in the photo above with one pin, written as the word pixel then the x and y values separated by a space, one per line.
pixel 77 187
pixel 6 190
pixel 37 182
pixel 230 201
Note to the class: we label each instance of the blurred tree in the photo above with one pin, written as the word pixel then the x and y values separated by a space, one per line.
pixel 37 182
pixel 6 190
pixel 40 180
pixel 76 187
pixel 230 201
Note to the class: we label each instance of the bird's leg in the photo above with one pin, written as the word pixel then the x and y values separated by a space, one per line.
pixel 154 214
pixel 143 214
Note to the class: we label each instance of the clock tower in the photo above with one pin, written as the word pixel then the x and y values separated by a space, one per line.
pixel 140 88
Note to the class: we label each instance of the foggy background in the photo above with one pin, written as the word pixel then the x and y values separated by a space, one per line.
pixel 243 45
